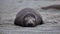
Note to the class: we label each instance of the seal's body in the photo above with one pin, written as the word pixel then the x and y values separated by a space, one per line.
pixel 28 17
pixel 52 6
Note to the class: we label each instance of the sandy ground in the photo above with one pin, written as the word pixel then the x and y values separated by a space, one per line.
pixel 9 9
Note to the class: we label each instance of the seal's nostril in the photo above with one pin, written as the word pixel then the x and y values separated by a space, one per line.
pixel 30 24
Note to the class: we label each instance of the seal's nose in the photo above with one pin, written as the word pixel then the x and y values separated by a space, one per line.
pixel 30 24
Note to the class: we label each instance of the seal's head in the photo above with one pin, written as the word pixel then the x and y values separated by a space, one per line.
pixel 29 20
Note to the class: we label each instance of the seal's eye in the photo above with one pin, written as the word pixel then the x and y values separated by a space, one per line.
pixel 29 18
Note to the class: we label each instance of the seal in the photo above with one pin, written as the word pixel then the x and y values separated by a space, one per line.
pixel 28 17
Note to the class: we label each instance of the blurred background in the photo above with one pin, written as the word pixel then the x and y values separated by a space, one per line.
pixel 9 9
